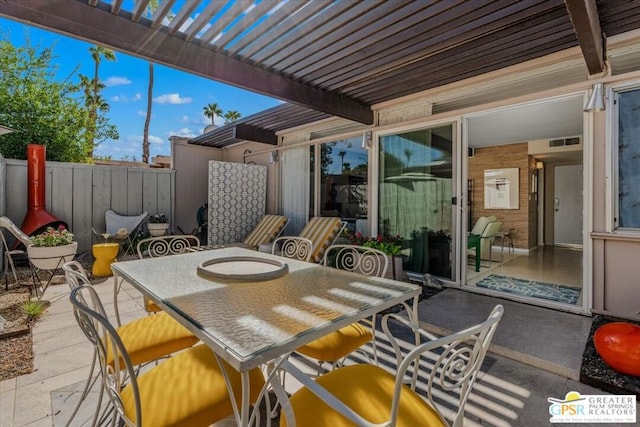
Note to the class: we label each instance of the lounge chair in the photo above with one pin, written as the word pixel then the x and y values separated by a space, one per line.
pixel 322 231
pixel 269 228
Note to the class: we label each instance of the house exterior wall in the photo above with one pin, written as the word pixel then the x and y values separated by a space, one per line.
pixel 506 156
pixel 191 163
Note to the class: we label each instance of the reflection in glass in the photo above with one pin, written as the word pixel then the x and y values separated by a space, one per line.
pixel 343 180
pixel 628 154
pixel 415 196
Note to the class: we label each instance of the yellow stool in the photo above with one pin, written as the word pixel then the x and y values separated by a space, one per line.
pixel 105 254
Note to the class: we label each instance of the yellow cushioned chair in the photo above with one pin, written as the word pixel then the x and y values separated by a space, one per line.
pixel 153 247
pixel 363 394
pixel 322 231
pixel 188 389
pixel 146 339
pixel 334 347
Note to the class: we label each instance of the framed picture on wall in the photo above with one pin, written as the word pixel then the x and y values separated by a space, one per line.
pixel 501 188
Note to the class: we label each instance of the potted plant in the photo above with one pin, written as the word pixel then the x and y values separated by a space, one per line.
pixel 158 224
pixel 52 248
pixel 390 245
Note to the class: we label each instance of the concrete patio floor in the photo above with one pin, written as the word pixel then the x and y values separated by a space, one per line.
pixel 507 393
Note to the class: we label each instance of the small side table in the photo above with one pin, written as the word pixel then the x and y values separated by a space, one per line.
pixel 508 236
pixel 105 254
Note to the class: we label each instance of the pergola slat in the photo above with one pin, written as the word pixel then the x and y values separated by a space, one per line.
pixel 161 12
pixel 139 8
pixel 203 19
pixel 181 17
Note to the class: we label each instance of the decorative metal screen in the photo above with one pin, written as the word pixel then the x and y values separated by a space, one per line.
pixel 237 199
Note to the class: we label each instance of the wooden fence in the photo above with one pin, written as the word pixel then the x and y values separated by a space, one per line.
pixel 79 194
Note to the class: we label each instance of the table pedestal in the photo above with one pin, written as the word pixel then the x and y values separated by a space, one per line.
pixel 105 254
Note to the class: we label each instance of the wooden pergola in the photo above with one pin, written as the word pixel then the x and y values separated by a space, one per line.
pixel 336 58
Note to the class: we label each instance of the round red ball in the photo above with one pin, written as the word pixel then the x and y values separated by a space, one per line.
pixel 618 344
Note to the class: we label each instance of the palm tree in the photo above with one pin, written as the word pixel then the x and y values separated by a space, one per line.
pixel 213 110
pixel 153 4
pixel 147 117
pixel 408 154
pixel 96 102
pixel 342 154
pixel 231 116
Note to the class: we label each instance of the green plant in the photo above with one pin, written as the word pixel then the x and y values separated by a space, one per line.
pixel 33 309
pixel 158 219
pixel 53 237
pixel 390 245
pixel 441 234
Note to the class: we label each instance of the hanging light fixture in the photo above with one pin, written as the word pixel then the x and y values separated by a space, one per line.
pixel 596 100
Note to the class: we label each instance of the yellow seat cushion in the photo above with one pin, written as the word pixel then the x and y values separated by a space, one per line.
pixel 187 390
pixel 153 337
pixel 366 389
pixel 322 231
pixel 151 306
pixel 336 345
pixel 266 230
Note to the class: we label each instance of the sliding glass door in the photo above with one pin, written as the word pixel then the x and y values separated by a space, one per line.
pixel 416 188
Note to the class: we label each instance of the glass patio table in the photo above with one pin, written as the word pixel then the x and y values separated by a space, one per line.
pixel 250 323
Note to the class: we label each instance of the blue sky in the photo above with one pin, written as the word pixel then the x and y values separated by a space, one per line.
pixel 179 97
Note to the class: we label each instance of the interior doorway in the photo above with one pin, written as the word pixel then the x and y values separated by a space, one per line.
pixel 529 246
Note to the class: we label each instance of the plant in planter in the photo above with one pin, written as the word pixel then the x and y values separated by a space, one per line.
pixel 390 245
pixel 52 248
pixel 158 224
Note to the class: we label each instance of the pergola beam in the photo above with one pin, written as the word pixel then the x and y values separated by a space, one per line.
pixel 256 134
pixel 98 25
pixel 586 23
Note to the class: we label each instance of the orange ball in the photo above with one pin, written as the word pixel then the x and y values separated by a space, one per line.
pixel 618 344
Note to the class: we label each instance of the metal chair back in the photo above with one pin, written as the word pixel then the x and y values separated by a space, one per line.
pixel 167 245
pixel 293 247
pixel 94 323
pixel 358 259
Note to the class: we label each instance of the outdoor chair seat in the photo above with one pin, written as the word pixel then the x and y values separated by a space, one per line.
pixel 152 337
pixel 322 231
pixel 366 389
pixel 336 345
pixel 187 390
pixel 123 228
pixel 269 227
pixel 364 394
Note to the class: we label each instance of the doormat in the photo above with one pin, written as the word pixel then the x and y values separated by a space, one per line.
pixel 531 288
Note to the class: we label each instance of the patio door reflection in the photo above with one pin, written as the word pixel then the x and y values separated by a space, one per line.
pixel 415 193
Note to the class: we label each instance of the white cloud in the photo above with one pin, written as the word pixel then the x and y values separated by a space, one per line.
pixel 184 132
pixel 217 120
pixel 141 113
pixel 172 98
pixel 116 81
pixel 184 119
pixel 124 98
pixel 138 138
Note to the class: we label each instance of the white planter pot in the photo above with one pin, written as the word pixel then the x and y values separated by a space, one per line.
pixel 157 229
pixel 51 257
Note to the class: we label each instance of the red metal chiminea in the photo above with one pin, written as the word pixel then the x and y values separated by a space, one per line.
pixel 37 218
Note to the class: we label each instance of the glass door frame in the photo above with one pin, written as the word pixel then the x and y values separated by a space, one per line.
pixel 457 233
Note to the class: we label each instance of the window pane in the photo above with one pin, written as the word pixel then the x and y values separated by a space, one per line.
pixel 343 180
pixel 628 155
pixel 415 196
pixel 312 186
